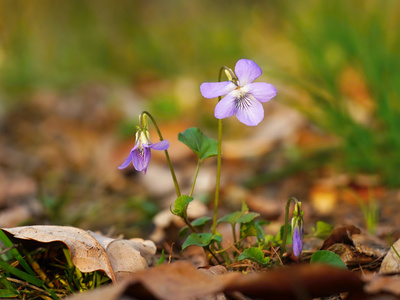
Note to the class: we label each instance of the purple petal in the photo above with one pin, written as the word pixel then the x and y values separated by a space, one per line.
pixel 126 162
pixel 247 71
pixel 216 89
pixel 226 107
pixel 141 159
pixel 163 145
pixel 297 242
pixel 249 111
pixel 262 91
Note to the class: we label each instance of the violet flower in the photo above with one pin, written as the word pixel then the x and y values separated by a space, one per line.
pixel 243 96
pixel 297 229
pixel 140 153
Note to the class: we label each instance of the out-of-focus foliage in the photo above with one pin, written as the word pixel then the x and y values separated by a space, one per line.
pixel 336 61
pixel 349 55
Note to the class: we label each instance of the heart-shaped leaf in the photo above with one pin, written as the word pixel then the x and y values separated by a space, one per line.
pixel 254 254
pixel 327 257
pixel 202 145
pixel 201 239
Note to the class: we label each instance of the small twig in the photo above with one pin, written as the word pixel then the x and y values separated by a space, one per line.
pixel 24 283
pixel 8 249
pixel 170 253
pixel 277 254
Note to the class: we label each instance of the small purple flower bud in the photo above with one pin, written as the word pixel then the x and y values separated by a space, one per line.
pixel 297 229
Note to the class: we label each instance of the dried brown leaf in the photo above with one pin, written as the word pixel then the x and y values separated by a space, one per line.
pixel 387 284
pixel 391 262
pixel 181 280
pixel 341 235
pixel 92 252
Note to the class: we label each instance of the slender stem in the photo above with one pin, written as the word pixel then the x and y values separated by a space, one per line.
pixel 191 227
pixel 195 177
pixel 217 184
pixel 218 180
pixel 178 191
pixel 234 233
pixel 286 226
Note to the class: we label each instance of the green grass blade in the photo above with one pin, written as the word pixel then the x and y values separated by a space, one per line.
pixel 6 241
pixel 7 294
pixel 20 274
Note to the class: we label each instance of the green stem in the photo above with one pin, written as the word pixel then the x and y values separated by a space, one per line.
pixel 178 191
pixel 195 177
pixel 286 226
pixel 234 234
pixel 231 77
pixel 217 184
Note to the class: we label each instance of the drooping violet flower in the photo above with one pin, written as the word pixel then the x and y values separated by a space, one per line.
pixel 140 153
pixel 297 229
pixel 243 96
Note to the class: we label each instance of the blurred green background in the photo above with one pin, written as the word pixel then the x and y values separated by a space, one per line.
pixel 337 62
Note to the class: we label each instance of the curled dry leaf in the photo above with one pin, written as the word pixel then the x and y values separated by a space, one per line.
pixel 341 235
pixel 181 280
pixel 391 262
pixel 92 252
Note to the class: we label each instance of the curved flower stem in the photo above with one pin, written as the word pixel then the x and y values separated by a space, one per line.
pixel 195 177
pixel 231 76
pixel 178 191
pixel 286 226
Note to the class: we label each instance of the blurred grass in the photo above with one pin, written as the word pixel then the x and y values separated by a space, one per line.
pixel 344 54
pixel 360 38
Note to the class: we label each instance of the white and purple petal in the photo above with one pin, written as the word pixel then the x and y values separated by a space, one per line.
pixel 262 91
pixel 216 89
pixel 163 145
pixel 247 71
pixel 226 107
pixel 248 110
pixel 141 159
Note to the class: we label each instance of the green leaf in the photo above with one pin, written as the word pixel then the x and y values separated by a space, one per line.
pixel 254 254
pixel 248 229
pixel 327 257
pixel 180 205
pixel 7 294
pixel 231 218
pixel 202 145
pixel 6 241
pixel 279 236
pixel 162 258
pixel 247 217
pixel 201 239
pixel 22 275
pixel 200 221
pixel 183 232
pixel 323 230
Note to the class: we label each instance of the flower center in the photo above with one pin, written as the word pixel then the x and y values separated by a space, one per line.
pixel 243 101
pixel 141 151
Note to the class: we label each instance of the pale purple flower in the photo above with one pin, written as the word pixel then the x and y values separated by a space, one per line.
pixel 140 153
pixel 243 97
